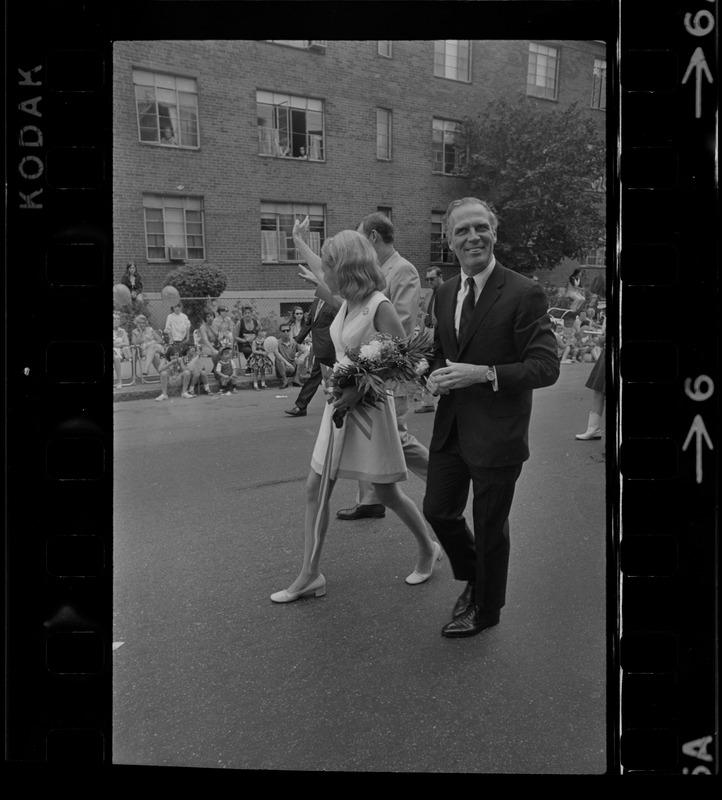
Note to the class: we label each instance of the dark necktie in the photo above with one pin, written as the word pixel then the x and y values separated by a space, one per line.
pixel 467 309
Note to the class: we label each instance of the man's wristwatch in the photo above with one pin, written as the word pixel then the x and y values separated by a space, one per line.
pixel 490 374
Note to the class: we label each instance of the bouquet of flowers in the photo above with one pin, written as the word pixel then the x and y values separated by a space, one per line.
pixel 381 360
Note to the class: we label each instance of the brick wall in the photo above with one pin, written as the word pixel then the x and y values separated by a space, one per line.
pixel 231 177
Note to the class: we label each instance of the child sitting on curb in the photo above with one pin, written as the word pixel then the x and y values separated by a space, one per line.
pixel 193 365
pixel 173 371
pixel 225 370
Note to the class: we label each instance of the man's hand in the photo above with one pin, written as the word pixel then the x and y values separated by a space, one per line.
pixel 456 376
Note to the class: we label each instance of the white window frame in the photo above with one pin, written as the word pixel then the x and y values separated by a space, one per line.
pixel 448 130
pixel 178 96
pixel 596 257
pixel 301 44
pixel 276 113
pixel 384 133
pixel 450 56
pixel 385 48
pixel 542 78
pixel 599 84
pixel 179 228
pixel 276 237
pixel 439 245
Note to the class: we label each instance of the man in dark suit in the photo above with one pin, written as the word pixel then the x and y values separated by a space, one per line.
pixel 320 317
pixel 494 346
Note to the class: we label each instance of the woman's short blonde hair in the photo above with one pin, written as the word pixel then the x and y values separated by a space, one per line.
pixel 352 259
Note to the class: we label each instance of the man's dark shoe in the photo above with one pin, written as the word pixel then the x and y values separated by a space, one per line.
pixel 466 599
pixel 296 412
pixel 377 510
pixel 470 623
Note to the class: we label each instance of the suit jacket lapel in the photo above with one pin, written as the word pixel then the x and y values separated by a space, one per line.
pixel 489 296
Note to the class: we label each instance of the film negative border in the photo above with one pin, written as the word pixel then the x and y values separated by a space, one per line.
pixel 667 371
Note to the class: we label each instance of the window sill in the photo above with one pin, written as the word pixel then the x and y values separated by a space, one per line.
pixel 539 97
pixel 448 174
pixel 169 146
pixel 454 80
pixel 293 158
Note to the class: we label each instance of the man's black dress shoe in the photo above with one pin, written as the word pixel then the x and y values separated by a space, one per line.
pixel 376 510
pixel 296 412
pixel 471 623
pixel 466 598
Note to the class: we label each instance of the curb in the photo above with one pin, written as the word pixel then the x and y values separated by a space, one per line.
pixel 147 391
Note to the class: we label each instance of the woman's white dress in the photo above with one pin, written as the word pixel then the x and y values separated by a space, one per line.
pixel 367 446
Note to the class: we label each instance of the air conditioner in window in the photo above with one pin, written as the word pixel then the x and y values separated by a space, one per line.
pixel 176 253
pixel 317 44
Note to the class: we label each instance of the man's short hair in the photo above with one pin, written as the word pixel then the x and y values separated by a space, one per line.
pixel 468 201
pixel 435 270
pixel 380 223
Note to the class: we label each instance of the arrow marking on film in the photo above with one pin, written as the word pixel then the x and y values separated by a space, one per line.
pixel 699 431
pixel 699 65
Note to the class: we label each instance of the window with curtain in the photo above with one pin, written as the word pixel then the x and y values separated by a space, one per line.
pixel 452 59
pixel 277 229
pixel 543 71
pixel 173 222
pixel 383 134
pixel 449 155
pixel 596 257
pixel 167 109
pixel 599 85
pixel 290 126
pixel 385 48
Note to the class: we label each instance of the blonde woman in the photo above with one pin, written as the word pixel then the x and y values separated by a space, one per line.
pixel 368 446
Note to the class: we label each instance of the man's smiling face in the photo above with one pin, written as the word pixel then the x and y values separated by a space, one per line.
pixel 472 237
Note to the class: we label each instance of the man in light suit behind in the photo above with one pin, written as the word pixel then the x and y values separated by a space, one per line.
pixel 494 346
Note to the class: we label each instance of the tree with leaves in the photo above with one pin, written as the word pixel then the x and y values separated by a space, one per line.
pixel 199 281
pixel 536 167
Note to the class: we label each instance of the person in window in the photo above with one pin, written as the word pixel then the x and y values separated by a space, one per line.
pixel 302 152
pixel 149 343
pixel 245 332
pixel 166 134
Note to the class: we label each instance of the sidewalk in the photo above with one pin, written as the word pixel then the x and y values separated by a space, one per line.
pixel 148 391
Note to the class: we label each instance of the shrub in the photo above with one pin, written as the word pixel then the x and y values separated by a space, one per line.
pixel 198 282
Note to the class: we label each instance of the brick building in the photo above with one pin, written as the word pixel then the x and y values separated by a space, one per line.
pixel 219 144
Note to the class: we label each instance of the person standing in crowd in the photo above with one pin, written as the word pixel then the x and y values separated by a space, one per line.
pixel 177 325
pixel 208 338
pixel 494 346
pixel 223 326
pixel 372 447
pixel 435 280
pixel 574 289
pixel 597 383
pixel 245 332
pixel 321 315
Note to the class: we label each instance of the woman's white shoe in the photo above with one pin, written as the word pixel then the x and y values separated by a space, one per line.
pixel 317 588
pixel 417 577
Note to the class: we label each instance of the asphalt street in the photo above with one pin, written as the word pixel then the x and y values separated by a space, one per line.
pixel 209 673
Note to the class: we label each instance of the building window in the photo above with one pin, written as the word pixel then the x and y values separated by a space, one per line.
pixel 596 257
pixel 385 210
pixel 440 251
pixel 599 85
pixel 302 44
pixel 277 230
pixel 385 48
pixel 452 59
pixel 167 109
pixel 173 227
pixel 290 126
pixel 383 134
pixel 449 156
pixel 542 77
